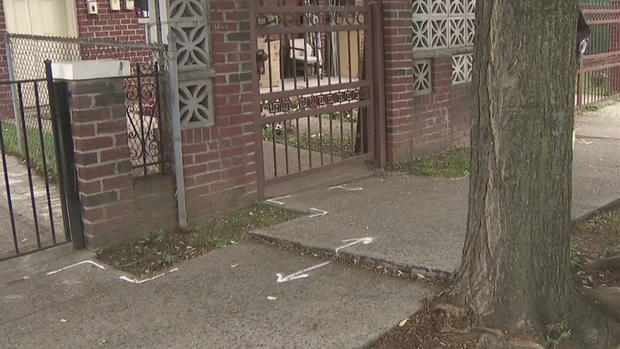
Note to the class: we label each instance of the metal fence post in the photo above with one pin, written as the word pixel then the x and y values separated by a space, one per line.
pixel 61 124
pixel 175 122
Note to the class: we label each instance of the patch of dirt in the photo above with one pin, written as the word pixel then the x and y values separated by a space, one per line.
pixel 159 250
pixel 595 238
pixel 430 328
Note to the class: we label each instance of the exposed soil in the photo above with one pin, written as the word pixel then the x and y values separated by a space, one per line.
pixel 159 250
pixel 432 328
pixel 597 237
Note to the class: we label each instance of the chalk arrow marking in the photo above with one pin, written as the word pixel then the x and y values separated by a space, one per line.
pixel 302 274
pixel 276 200
pixel 75 265
pixel 352 242
pixel 345 188
pixel 318 214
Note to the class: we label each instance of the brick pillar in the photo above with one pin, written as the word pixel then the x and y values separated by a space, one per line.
pixel 398 79
pixel 99 128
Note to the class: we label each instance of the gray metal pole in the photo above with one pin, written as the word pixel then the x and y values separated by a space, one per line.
pixel 175 123
pixel 14 97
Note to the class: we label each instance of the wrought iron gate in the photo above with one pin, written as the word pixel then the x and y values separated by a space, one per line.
pixel 33 204
pixel 598 77
pixel 314 82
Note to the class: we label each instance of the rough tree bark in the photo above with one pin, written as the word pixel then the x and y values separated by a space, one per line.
pixel 515 271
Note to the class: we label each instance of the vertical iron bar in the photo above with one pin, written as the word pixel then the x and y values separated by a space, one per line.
pixel 57 149
pixel 339 68
pixel 286 146
pixel 47 186
pixel 294 61
pixel 8 189
pixel 273 139
pixel 270 77
pixel 579 88
pixel 331 138
pixel 298 147
pixel 160 149
pixel 281 61
pixel 329 55
pixel 306 61
pixel 141 112
pixel 342 135
pixel 27 155
pixel 349 58
pixel 318 62
pixel 309 143
pixel 321 137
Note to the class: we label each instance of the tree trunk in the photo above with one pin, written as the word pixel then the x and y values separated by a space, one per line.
pixel 515 269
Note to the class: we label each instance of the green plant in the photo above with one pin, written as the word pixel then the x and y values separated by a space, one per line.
pixel 157 236
pixel 219 242
pixel 169 259
pixel 267 133
pixel 575 258
pixel 554 341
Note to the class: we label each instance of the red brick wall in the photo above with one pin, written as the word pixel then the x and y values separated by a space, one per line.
pixel 111 25
pixel 115 205
pixel 219 161
pixel 441 117
pixel 419 125
pixel 398 79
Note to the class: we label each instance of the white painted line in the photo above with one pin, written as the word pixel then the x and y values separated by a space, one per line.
pixel 319 214
pixel 275 200
pixel 300 274
pixel 345 188
pixel 352 242
pixel 75 265
pixel 585 141
pixel 134 281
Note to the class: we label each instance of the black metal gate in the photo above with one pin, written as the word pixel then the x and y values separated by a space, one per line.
pixel 33 203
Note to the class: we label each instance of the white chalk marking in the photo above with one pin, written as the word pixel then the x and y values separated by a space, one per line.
pixel 319 214
pixel 345 188
pixel 135 281
pixel 300 274
pixel 275 200
pixel 352 242
pixel 88 261
pixel 585 141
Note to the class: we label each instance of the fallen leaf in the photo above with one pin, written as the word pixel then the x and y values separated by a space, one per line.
pixel 420 276
pixel 403 322
pixel 271 298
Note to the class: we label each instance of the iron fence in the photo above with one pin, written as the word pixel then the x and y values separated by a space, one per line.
pixel 598 77
pixel 26 55
pixel 143 110
pixel 30 203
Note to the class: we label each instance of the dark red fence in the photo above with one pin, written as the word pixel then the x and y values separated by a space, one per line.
pixel 598 77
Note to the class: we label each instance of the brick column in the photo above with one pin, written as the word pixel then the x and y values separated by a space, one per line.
pixel 115 205
pixel 99 128
pixel 398 79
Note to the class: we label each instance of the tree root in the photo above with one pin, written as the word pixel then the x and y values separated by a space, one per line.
pixel 609 263
pixel 608 300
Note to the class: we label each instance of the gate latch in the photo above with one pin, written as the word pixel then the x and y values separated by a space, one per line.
pixel 261 57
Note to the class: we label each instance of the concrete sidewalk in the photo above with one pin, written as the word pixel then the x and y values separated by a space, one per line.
pixel 418 224
pixel 219 300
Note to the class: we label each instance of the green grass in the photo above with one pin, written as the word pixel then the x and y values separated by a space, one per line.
pixel 451 164
pixel 35 153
